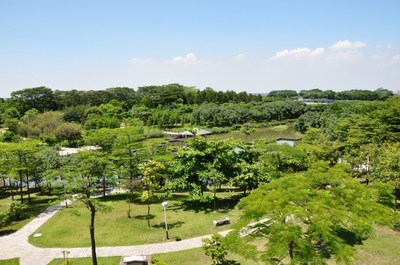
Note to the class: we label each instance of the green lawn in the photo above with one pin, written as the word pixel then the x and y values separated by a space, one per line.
pixel 37 205
pixel 186 218
pixel 197 257
pixel 88 261
pixel 9 261
pixel 381 249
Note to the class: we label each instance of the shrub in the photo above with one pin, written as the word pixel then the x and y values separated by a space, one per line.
pixel 3 218
pixel 218 130
pixel 213 247
pixel 16 211
pixel 154 134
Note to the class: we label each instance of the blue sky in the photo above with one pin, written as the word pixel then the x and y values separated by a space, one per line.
pixel 253 46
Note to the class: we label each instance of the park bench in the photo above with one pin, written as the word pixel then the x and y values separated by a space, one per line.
pixel 139 260
pixel 224 221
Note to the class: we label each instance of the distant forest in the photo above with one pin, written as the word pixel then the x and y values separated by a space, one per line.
pixel 45 99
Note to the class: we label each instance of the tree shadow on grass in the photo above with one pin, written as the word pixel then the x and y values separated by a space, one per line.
pixel 170 225
pixel 230 262
pixel 115 197
pixel 7 232
pixel 207 206
pixel 349 237
pixel 144 217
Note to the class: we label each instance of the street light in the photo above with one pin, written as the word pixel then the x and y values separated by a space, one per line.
pixel 165 204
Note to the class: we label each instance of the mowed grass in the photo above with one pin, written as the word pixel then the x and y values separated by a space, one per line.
pixel 9 261
pixel 88 261
pixel 38 204
pixel 197 257
pixel 380 249
pixel 186 218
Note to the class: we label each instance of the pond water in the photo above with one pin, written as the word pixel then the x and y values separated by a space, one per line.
pixel 291 143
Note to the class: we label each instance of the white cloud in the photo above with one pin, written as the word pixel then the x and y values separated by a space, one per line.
pixel 395 59
pixel 317 52
pixel 347 45
pixel 240 57
pixel 190 57
pixel 299 52
pixel 389 46
pixel 348 55
pixel 137 60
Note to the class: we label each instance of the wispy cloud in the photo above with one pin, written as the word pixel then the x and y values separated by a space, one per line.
pixel 347 45
pixel 137 60
pixel 240 57
pixel 348 55
pixel 190 57
pixel 299 52
pixel 395 59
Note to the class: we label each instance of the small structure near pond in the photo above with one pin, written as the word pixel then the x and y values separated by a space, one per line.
pixel 285 140
pixel 179 136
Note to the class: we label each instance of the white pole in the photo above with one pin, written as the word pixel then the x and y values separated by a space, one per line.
pixel 165 204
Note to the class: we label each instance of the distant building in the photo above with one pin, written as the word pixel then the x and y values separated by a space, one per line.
pixel 316 100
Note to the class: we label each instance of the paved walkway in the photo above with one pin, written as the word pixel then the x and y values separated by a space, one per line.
pixel 16 245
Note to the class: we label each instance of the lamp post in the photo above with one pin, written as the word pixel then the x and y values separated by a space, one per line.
pixel 164 205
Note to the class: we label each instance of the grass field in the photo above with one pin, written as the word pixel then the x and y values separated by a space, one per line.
pixel 88 261
pixel 186 218
pixel 381 249
pixel 9 261
pixel 37 205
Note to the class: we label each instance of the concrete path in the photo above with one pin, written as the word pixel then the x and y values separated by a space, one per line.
pixel 16 245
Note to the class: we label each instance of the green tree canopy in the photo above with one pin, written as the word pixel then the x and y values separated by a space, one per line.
pixel 308 217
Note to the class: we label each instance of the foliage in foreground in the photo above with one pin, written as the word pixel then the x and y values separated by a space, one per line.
pixel 214 248
pixel 309 217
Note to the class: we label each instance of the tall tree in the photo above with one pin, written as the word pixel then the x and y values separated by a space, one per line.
pixel 307 217
pixel 88 169
pixel 151 178
pixel 16 159
pixel 40 98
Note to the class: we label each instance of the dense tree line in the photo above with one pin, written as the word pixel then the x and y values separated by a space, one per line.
pixel 316 93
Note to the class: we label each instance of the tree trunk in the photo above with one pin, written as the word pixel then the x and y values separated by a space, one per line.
pixel 11 189
pixel 27 187
pixel 129 205
pixel 92 238
pixel 104 186
pixel 215 199
pixel 20 187
pixel 148 213
pixel 290 247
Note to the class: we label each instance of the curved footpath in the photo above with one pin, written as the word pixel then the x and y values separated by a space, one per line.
pixel 16 245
